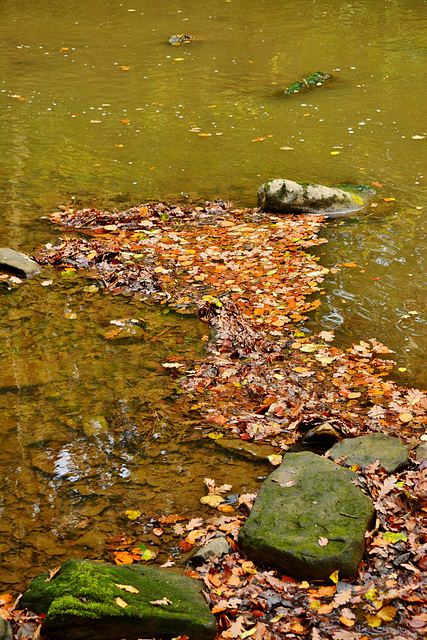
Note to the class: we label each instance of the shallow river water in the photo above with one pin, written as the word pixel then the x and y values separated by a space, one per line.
pixel 96 107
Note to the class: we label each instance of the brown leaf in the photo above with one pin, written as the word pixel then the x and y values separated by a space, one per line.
pixel 322 542
pixel 236 629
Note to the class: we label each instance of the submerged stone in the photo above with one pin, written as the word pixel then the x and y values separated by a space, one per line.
pixel 18 262
pixel 308 520
pixel 364 450
pixel 286 196
pixel 95 600
pixel 250 450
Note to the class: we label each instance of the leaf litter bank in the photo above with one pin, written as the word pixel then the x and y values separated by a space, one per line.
pixel 248 275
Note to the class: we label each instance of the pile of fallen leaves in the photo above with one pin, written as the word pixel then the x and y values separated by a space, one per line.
pixel 249 276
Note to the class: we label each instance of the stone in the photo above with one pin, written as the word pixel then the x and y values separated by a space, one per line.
pixel 306 500
pixel 286 196
pixel 364 450
pixel 6 632
pixel 421 451
pixel 19 262
pixel 84 602
pixel 217 547
pixel 315 80
pixel 250 450
pixel 95 425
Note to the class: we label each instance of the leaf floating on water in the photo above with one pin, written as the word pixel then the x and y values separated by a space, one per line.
pixel 172 365
pixel 132 514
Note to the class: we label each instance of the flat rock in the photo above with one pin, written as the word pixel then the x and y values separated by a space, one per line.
pixel 307 500
pixel 81 603
pixel 19 262
pixel 364 450
pixel 286 196
pixel 250 450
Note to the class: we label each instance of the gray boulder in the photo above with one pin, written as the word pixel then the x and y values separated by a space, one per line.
pixel 215 548
pixel 364 450
pixel 421 451
pixel 286 196
pixel 308 520
pixel 95 600
pixel 18 262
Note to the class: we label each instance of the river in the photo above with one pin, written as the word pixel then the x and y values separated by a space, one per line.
pixel 97 108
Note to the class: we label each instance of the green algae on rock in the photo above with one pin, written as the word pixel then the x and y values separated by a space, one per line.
pixel 287 196
pixel 315 80
pixel 364 450
pixel 80 602
pixel 308 520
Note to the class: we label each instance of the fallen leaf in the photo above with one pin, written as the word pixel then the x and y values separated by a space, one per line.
pixel 322 542
pixel 121 603
pixel 127 587
pixel 132 514
pixel 163 601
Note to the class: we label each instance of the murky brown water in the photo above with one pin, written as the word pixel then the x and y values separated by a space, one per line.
pixel 97 107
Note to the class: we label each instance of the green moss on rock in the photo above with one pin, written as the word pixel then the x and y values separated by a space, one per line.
pixel 316 79
pixel 307 498
pixel 80 602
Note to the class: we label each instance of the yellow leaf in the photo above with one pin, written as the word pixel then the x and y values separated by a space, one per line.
pixel 132 514
pixel 275 459
pixel 127 587
pixel 387 613
pixel 405 417
pixel 121 603
pixel 124 68
pixel 335 153
pixel 373 621
pixel 334 576
pixel 213 500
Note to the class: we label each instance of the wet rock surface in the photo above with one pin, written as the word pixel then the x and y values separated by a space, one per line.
pixel 18 262
pixel 364 450
pixel 94 600
pixel 286 196
pixel 245 449
pixel 308 520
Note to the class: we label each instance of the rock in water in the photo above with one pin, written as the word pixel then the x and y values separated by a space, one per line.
pixel 19 262
pixel 315 80
pixel 95 600
pixel 308 519
pixel 286 196
pixel 391 452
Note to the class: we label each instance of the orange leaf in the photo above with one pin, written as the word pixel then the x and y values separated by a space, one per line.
pixel 123 557
pixel 346 621
pixel 125 120
pixel 389 199
pixel 405 417
pixel 258 139
pixel 325 608
pixel 5 598
pixel 349 264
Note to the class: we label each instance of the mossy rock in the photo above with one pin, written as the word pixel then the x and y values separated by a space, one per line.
pixel 80 602
pixel 308 520
pixel 315 80
pixel 287 196
pixel 364 450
